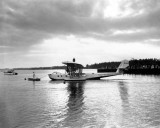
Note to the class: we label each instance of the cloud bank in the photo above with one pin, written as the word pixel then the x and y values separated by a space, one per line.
pixel 25 23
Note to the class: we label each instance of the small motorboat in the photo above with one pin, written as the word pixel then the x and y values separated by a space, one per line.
pixel 10 72
pixel 34 79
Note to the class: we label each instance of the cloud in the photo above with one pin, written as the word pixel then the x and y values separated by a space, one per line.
pixel 27 23
pixel 34 20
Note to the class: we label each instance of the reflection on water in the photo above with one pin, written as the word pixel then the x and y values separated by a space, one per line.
pixel 126 112
pixel 3 119
pixel 75 104
pixel 34 84
pixel 123 89
pixel 126 101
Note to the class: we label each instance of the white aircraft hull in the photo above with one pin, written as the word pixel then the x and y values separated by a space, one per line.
pixel 59 76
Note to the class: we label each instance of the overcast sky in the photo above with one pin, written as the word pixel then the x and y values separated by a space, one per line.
pixel 37 33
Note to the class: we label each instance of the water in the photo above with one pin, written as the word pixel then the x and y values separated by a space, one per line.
pixel 125 101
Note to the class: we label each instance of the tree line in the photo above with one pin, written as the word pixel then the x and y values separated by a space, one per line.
pixel 104 65
pixel 136 66
pixel 133 64
pixel 144 64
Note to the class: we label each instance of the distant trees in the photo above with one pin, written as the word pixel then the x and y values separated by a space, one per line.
pixel 133 64
pixel 106 65
pixel 41 68
pixel 144 64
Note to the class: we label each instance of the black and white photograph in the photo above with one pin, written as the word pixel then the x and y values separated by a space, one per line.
pixel 79 63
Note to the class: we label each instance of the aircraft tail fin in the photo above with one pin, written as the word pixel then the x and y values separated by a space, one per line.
pixel 123 65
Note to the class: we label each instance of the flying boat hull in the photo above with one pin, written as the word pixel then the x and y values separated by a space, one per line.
pixel 59 76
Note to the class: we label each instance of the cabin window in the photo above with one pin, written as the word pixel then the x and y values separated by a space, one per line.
pixel 61 75
pixel 66 75
pixel 58 75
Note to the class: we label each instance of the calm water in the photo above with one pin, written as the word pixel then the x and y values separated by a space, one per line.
pixel 125 101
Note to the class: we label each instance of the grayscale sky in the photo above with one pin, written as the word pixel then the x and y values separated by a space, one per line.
pixel 37 33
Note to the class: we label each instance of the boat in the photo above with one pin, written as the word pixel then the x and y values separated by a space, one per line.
pixel 34 79
pixel 10 72
pixel 74 72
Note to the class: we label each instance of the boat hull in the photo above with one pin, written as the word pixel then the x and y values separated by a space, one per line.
pixel 65 77
pixel 34 79
pixel 59 76
pixel 14 73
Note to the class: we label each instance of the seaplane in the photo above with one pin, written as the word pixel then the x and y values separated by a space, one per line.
pixel 73 72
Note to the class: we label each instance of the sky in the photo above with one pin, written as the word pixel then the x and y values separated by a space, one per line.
pixel 39 33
